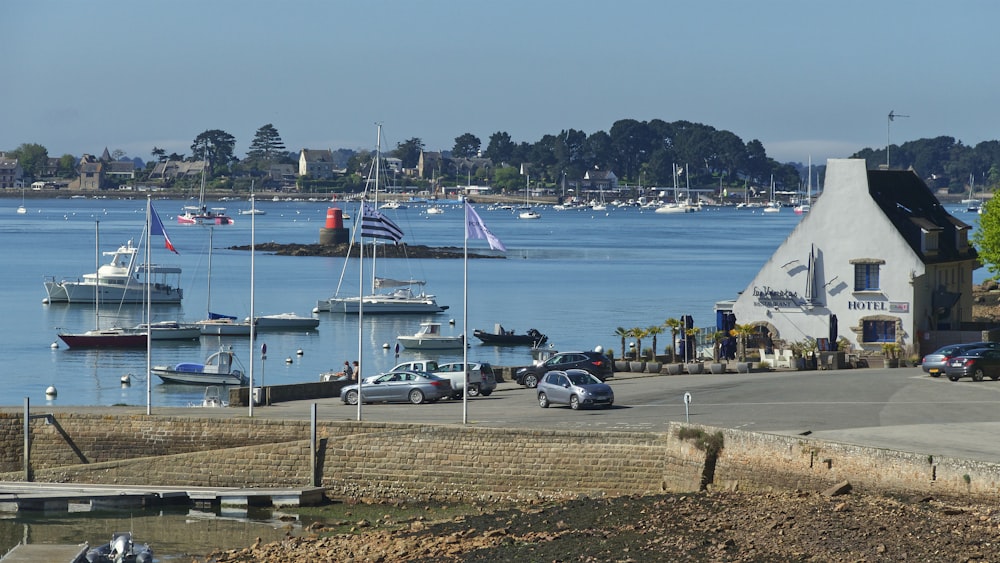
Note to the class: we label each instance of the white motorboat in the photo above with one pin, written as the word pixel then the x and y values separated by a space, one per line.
pixel 434 210
pixel 429 337
pixel 217 370
pixel 120 549
pixel 284 321
pixel 121 280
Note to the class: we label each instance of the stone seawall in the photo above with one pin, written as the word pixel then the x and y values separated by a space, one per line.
pixel 383 461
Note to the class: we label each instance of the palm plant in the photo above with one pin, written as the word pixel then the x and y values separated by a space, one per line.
pixel 653 331
pixel 675 326
pixel 638 333
pixel 717 338
pixel 623 333
pixel 691 333
pixel 742 333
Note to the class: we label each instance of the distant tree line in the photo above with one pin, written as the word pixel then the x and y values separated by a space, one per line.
pixel 638 152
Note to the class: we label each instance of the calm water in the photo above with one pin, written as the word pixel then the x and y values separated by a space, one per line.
pixel 574 275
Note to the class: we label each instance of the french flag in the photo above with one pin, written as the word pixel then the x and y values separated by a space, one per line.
pixel 156 228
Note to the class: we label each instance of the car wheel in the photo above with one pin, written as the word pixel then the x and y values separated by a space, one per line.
pixel 474 390
pixel 531 381
pixel 351 398
pixel 977 374
pixel 487 393
pixel 574 403
pixel 456 395
pixel 935 374
pixel 953 377
pixel 543 401
pixel 416 396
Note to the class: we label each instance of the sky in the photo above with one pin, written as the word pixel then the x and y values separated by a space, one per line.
pixel 808 78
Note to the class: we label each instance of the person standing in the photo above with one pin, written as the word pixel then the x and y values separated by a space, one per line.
pixel 348 370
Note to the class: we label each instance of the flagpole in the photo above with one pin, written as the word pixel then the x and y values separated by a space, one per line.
pixel 149 307
pixel 465 317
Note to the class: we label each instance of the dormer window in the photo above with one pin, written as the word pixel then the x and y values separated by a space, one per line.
pixel 962 239
pixel 929 241
pixel 866 274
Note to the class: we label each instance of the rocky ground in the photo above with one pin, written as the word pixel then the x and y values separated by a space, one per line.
pixel 731 526
pixel 986 301
pixel 711 526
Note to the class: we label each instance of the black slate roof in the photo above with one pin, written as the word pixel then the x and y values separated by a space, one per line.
pixel 911 207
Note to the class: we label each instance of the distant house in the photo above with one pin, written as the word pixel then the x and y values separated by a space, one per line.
pixel 119 171
pixel 428 164
pixel 11 173
pixel 173 169
pixel 283 174
pixel 317 163
pixel 595 180
pixel 469 166
pixel 91 173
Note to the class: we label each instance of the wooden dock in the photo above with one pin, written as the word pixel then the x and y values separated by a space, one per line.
pixel 53 553
pixel 17 496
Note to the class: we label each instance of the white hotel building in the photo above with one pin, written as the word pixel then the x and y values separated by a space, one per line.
pixel 877 259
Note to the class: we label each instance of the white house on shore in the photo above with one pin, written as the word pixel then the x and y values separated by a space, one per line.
pixel 876 260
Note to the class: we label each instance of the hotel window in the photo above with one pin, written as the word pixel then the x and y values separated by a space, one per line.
pixel 866 277
pixel 879 331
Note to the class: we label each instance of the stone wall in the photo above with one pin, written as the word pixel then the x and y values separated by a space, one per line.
pixel 386 461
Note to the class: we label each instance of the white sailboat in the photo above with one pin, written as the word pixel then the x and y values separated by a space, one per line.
pixel 972 204
pixel 526 211
pixel 202 215
pixel 21 209
pixel 772 206
pixel 805 207
pixel 402 297
pixel 218 324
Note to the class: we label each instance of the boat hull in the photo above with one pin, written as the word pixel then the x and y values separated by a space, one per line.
pixel 285 322
pixel 80 292
pixel 376 306
pixel 439 343
pixel 510 339
pixel 168 375
pixel 105 339
pixel 223 327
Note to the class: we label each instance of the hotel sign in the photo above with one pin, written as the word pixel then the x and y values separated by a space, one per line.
pixel 772 298
pixel 901 307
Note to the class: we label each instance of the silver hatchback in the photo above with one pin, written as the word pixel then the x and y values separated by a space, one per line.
pixel 574 387
pixel 937 361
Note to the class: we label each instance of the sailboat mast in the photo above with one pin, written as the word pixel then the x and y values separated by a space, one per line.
pixel 149 309
pixel 97 275
pixel 208 304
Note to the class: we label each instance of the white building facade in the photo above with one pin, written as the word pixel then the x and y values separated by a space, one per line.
pixel 876 260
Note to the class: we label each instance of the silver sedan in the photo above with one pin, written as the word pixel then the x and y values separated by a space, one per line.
pixel 398 387
pixel 574 387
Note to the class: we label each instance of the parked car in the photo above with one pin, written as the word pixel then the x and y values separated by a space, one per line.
pixel 575 387
pixel 936 362
pixel 596 363
pixel 400 387
pixel 480 378
pixel 976 363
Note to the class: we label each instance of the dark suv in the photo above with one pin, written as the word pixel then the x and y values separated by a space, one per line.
pixel 594 362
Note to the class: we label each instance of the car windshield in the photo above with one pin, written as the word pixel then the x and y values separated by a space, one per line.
pixel 582 378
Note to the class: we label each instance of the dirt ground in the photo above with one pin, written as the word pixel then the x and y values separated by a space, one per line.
pixel 710 526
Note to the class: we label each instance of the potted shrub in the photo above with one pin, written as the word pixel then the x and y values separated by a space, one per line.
pixel 717 366
pixel 694 367
pixel 890 352
pixel 652 366
pixel 742 332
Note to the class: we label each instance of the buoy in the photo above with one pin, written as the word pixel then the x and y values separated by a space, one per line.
pixel 299 352
pixel 288 360
pixel 54 346
pixel 126 380
pixel 599 349
pixel 385 345
pixel 451 321
pixel 51 391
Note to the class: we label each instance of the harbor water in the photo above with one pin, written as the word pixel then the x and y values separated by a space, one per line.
pixel 574 275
